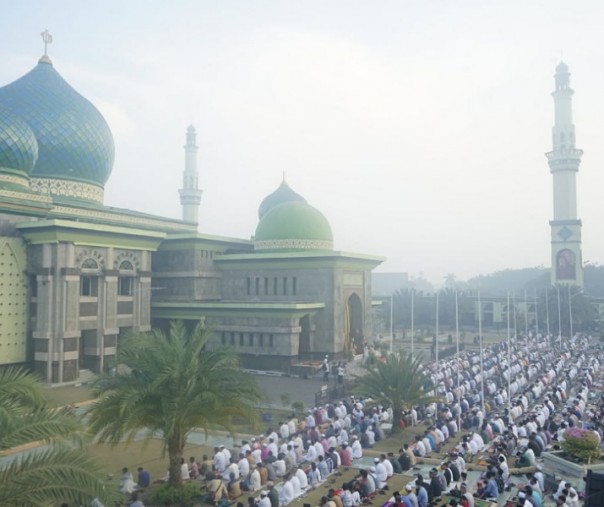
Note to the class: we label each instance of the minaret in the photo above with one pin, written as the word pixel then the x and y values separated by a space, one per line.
pixel 190 195
pixel 564 160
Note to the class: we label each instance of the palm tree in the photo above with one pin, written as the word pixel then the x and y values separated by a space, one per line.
pixel 170 385
pixel 58 472
pixel 397 382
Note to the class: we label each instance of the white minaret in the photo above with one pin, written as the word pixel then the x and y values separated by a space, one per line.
pixel 564 160
pixel 190 195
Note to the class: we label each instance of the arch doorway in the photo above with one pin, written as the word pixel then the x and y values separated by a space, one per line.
pixel 354 324
pixel 304 340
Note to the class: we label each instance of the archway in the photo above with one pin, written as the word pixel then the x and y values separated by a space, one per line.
pixel 304 337
pixel 354 324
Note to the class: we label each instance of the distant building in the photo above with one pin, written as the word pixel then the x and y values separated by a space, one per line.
pixel 77 275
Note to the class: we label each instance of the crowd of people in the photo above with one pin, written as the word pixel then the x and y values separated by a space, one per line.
pixel 532 393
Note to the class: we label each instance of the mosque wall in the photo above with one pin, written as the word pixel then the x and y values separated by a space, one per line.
pixel 80 298
pixel 13 301
pixel 189 275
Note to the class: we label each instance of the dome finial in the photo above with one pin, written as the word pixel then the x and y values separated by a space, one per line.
pixel 284 182
pixel 47 39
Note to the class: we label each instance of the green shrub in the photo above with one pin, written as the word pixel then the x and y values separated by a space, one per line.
pixel 582 445
pixel 285 399
pixel 185 496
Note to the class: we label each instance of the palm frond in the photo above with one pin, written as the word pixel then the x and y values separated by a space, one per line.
pixel 53 475
pixel 42 424
pixel 20 388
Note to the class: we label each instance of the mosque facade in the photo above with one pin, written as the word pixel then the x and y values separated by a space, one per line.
pixel 77 275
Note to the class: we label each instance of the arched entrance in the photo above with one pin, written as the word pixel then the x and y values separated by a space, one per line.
pixel 304 339
pixel 354 324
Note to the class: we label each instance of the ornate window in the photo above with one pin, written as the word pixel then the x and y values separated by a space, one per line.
pixel 90 263
pixel 566 262
pixel 126 265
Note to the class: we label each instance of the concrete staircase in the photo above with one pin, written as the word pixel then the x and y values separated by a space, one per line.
pixel 86 376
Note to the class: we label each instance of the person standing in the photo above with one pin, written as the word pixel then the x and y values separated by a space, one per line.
pixel 325 368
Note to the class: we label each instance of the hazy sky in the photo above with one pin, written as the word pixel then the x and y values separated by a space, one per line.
pixel 417 127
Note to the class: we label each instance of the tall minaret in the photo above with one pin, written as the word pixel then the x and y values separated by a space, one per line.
pixel 190 194
pixel 564 160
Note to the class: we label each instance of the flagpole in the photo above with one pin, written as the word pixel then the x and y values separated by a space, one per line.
pixel 547 317
pixel 570 312
pixel 412 322
pixel 526 336
pixel 391 322
pixel 509 356
pixel 559 319
pixel 436 344
pixel 515 321
pixel 458 364
pixel 480 343
pixel 536 319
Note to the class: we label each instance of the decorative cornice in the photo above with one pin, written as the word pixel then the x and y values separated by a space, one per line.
pixel 67 188
pixel 293 244
pixel 15 179
pixel 115 217
pixel 25 196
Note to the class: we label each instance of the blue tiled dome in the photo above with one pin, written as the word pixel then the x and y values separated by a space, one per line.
pixel 283 194
pixel 74 140
pixel 18 146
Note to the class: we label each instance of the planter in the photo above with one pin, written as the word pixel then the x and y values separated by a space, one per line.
pixel 556 464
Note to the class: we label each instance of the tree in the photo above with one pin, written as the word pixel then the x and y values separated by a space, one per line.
pixel 170 385
pixel 561 302
pixel 58 472
pixel 397 382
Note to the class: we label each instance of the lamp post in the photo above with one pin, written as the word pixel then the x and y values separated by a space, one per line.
pixel 570 312
pixel 412 322
pixel 391 322
pixel 481 359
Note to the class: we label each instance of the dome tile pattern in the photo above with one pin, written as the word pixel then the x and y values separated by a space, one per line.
pixel 18 146
pixel 74 140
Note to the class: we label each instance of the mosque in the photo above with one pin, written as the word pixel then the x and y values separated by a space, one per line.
pixel 76 275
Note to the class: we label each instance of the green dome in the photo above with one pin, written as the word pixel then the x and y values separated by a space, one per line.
pixel 293 226
pixel 18 149
pixel 74 140
pixel 283 194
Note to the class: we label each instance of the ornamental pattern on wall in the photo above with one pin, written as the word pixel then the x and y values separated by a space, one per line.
pixel 90 259
pixel 124 257
pixel 66 188
pixel 294 244
pixel 17 180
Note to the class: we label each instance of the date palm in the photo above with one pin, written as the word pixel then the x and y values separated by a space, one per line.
pixel 169 385
pixel 397 382
pixel 59 471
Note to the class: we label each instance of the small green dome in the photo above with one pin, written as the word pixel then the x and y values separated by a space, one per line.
pixel 18 148
pixel 283 194
pixel 293 226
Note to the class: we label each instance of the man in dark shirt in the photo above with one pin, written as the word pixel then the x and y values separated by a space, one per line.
pixel 273 494
pixel 435 488
pixel 144 479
